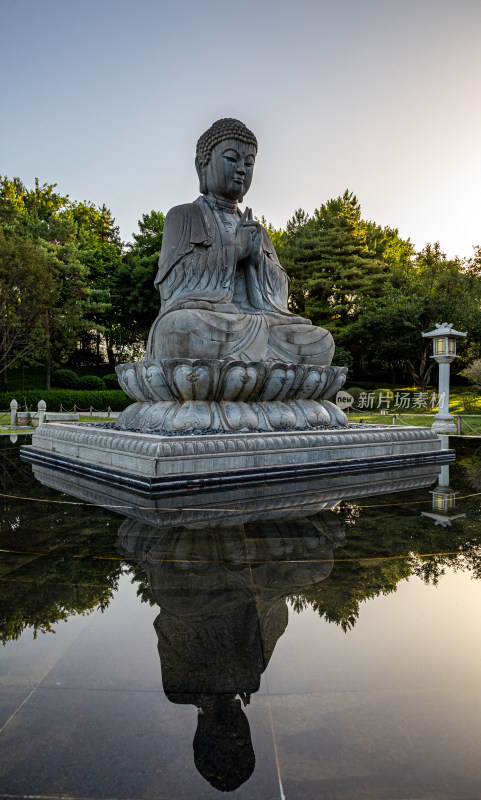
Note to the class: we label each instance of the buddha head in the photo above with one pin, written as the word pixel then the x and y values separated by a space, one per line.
pixel 225 158
pixel 223 751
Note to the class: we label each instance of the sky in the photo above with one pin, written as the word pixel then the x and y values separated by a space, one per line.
pixel 107 98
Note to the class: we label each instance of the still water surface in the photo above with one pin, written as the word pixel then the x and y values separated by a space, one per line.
pixel 298 642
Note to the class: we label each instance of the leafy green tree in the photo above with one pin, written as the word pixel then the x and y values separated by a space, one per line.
pixel 41 218
pixel 277 236
pixel 137 301
pixel 27 289
pixel 100 250
pixel 84 250
pixel 430 290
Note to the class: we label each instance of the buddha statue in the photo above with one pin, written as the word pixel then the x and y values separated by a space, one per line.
pixel 223 290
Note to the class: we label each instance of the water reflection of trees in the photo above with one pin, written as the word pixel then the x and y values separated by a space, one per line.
pixel 55 560
pixel 79 572
pixel 49 588
pixel 386 542
pixel 471 467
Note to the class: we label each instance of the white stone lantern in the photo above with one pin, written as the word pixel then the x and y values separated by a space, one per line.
pixel 444 352
pixel 444 503
pixel 444 499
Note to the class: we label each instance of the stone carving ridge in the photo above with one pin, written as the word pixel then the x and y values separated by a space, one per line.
pixel 158 446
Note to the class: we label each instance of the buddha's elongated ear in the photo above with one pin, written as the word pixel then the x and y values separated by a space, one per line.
pixel 201 172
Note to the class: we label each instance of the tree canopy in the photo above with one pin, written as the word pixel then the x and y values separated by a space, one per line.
pixel 429 289
pixel 73 292
pixel 75 250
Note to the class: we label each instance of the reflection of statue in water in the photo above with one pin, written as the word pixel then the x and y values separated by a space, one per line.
pixel 223 291
pixel 223 608
pixel 223 751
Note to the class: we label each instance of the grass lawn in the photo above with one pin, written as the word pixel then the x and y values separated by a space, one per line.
pixel 463 401
pixel 470 425
pixel 5 421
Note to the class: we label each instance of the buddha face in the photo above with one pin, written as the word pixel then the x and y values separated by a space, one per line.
pixel 229 172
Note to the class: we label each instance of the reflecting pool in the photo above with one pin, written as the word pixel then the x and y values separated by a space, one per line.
pixel 308 639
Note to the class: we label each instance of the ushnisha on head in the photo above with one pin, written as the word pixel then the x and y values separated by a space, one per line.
pixel 225 158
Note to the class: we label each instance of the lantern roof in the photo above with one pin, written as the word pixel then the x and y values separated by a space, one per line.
pixel 445 329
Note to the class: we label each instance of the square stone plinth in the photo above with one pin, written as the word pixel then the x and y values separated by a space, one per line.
pixel 151 462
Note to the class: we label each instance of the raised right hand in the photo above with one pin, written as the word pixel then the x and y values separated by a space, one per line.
pixel 249 237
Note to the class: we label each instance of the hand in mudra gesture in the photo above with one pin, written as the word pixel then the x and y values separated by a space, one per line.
pixel 249 238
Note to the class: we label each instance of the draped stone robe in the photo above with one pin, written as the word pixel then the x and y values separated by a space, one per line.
pixel 216 306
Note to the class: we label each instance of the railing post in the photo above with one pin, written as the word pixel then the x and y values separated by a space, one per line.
pixel 91 409
pixel 13 412
pixel 459 425
pixel 108 411
pixel 394 419
pixel 41 408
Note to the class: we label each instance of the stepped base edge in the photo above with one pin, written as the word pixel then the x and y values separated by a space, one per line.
pixel 151 464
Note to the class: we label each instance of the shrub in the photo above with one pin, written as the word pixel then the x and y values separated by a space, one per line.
pixel 117 400
pixel 65 378
pixel 473 373
pixel 469 402
pixel 88 382
pixel 343 358
pixel 111 381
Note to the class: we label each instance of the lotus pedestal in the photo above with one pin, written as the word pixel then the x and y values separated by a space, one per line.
pixel 211 423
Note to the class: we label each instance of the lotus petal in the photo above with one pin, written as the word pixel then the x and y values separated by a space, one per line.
pixel 238 382
pixel 278 382
pixel 313 384
pixel 126 373
pixel 279 414
pixel 338 379
pixel 155 377
pixel 239 415
pixel 192 415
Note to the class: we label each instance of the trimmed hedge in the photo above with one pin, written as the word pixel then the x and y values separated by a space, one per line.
pixel 91 383
pixel 111 381
pixel 116 399
pixel 65 379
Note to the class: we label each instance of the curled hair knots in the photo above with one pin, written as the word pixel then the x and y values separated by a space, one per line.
pixel 226 128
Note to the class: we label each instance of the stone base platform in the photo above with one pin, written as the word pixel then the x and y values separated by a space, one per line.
pixel 152 463
pixel 225 506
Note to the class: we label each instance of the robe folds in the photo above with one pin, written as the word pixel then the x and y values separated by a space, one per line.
pixel 215 306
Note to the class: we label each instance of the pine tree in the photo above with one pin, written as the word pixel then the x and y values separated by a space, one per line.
pixel 331 265
pixel 137 301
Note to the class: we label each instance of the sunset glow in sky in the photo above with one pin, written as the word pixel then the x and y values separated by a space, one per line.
pixel 107 98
